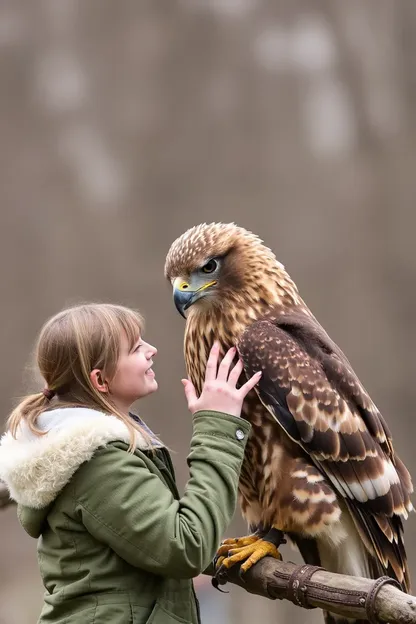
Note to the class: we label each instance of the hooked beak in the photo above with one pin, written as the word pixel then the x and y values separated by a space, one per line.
pixel 184 296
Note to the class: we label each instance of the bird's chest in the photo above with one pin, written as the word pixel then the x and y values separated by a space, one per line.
pixel 268 457
pixel 202 330
pixel 267 447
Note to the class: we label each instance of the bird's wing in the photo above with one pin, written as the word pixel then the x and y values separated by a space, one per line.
pixel 328 413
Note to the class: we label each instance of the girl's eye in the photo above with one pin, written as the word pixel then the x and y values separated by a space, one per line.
pixel 138 346
pixel 210 266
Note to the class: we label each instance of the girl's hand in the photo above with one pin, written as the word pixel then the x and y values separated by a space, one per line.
pixel 219 392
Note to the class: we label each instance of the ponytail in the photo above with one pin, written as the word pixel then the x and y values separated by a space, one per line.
pixel 28 410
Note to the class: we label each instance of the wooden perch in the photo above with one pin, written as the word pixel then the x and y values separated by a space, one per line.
pixel 309 587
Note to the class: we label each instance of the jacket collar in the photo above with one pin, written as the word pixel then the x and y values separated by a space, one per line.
pixel 36 468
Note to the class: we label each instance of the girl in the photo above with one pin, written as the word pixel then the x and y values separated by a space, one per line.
pixel 117 543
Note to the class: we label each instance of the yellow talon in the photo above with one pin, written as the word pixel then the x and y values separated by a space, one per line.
pixel 232 543
pixel 261 550
pixel 247 551
pixel 219 562
pixel 250 554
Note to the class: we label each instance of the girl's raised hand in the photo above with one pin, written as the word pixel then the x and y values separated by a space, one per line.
pixel 219 391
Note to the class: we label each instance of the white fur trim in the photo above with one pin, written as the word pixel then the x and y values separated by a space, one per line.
pixel 36 468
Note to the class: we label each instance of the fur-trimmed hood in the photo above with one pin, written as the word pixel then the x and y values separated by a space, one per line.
pixel 36 468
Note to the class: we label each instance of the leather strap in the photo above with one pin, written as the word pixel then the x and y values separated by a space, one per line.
pixel 298 585
pixel 370 602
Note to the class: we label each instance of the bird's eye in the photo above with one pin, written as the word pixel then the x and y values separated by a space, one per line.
pixel 210 266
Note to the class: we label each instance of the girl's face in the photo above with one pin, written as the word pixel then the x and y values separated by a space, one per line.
pixel 134 377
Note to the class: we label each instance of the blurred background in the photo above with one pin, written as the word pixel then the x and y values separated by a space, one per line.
pixel 125 123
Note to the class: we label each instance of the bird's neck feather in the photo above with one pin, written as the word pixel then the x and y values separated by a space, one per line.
pixel 226 318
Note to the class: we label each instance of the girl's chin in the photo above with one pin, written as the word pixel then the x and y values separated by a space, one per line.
pixel 152 385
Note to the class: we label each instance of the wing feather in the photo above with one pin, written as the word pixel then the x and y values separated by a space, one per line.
pixel 311 390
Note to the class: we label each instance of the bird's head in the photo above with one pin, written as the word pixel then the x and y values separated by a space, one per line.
pixel 211 264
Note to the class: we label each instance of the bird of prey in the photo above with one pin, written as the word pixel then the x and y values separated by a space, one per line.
pixel 319 464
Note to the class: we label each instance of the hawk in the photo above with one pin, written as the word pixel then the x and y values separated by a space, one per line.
pixel 319 466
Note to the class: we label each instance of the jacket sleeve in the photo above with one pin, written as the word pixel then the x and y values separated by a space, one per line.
pixel 123 504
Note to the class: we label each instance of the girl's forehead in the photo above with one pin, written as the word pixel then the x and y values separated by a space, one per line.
pixel 129 338
pixel 131 327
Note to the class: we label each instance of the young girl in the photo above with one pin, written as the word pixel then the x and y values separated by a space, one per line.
pixel 116 541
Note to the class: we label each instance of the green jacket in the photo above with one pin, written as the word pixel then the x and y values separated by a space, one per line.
pixel 116 541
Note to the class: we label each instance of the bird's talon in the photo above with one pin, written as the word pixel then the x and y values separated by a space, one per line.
pixel 215 582
pixel 220 577
pixel 218 561
pixel 249 554
pixel 241 574
pixel 236 542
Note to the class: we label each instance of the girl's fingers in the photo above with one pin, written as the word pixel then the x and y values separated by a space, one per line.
pixel 235 373
pixel 249 385
pixel 224 367
pixel 212 363
pixel 189 392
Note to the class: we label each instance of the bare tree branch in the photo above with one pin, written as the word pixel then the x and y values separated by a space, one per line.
pixel 308 586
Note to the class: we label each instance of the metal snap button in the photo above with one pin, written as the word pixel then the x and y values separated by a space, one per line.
pixel 239 434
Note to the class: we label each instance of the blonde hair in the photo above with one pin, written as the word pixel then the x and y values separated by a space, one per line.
pixel 72 344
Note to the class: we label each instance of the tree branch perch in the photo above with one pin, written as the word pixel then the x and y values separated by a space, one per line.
pixel 310 587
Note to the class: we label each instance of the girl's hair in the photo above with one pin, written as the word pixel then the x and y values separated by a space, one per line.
pixel 72 344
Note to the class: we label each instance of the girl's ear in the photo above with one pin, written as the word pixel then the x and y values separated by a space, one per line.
pixel 97 380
